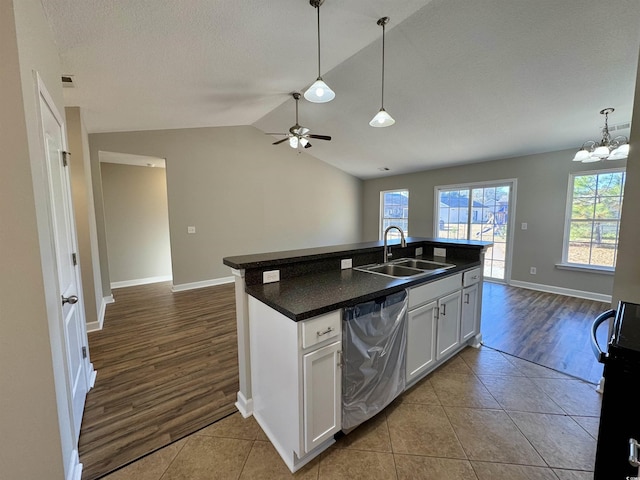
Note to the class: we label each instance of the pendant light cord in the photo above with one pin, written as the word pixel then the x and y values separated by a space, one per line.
pixel 382 100
pixel 318 9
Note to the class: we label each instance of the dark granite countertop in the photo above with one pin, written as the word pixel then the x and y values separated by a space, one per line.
pixel 310 295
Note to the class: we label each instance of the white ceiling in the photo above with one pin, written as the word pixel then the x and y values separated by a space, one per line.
pixel 466 80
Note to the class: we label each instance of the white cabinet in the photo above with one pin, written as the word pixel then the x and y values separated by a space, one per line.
pixel 296 380
pixel 421 340
pixel 469 315
pixel 322 387
pixel 448 335
pixel 432 325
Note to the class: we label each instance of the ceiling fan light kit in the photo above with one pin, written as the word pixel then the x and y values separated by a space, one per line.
pixel 319 91
pixel 382 118
pixel 607 149
pixel 298 135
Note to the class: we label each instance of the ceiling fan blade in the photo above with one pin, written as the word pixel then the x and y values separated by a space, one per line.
pixel 280 141
pixel 319 137
pixel 276 134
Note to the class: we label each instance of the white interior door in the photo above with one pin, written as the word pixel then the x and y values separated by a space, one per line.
pixel 63 225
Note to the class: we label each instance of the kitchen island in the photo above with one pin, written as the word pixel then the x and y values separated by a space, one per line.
pixel 289 311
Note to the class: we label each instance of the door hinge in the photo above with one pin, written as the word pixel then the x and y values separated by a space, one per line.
pixel 74 257
pixel 65 158
pixel 84 352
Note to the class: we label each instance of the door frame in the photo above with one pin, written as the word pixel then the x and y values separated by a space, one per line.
pixel 513 186
pixel 52 289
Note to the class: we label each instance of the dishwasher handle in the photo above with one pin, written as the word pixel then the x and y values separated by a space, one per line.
pixel 600 319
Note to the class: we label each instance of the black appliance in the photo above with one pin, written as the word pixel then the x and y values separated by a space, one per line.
pixel 620 412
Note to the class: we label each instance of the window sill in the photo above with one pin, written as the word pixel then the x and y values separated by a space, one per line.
pixel 585 268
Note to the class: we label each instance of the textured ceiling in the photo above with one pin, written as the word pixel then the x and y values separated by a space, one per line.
pixel 466 81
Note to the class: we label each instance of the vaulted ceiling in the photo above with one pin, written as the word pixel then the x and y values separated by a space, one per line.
pixel 466 81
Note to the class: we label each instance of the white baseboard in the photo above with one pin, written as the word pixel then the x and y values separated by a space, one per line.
pixel 244 405
pixel 74 468
pixel 598 297
pixel 95 326
pixel 92 378
pixel 141 281
pixel 205 283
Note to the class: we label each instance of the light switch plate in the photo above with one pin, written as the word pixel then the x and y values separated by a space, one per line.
pixel 524 226
pixel 271 276
pixel 439 252
pixel 191 229
pixel 346 263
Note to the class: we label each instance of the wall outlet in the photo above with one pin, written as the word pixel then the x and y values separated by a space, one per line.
pixel 191 229
pixel 532 270
pixel 439 252
pixel 271 276
pixel 418 251
pixel 524 225
pixel 346 263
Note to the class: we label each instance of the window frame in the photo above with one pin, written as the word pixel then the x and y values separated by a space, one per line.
pixel 565 263
pixel 381 216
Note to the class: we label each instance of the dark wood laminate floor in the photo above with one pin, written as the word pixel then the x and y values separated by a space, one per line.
pixel 544 328
pixel 167 366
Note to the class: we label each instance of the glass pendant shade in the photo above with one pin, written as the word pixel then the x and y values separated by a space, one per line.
pixel 619 153
pixel 382 119
pixel 601 152
pixel 582 156
pixel 591 159
pixel 319 92
pixel 293 142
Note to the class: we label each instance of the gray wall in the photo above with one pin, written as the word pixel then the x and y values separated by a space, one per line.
pixel 242 194
pixel 627 279
pixel 137 222
pixel 542 182
pixel 34 416
pixel 84 212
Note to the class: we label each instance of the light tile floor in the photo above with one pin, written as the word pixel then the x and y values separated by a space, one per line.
pixel 483 415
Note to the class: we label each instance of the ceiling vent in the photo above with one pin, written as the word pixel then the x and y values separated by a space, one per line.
pixel 620 126
pixel 68 81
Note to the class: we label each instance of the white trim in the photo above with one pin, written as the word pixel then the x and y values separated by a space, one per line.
pixel 205 283
pixel 598 297
pixel 578 267
pixel 92 379
pixel 141 281
pixel 569 208
pixel 74 468
pixel 512 183
pixel 96 326
pixel 244 406
pixel 381 210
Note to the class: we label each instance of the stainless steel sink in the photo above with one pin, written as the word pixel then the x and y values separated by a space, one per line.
pixel 423 264
pixel 406 267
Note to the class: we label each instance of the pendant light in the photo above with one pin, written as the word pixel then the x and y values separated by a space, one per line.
pixel 319 92
pixel 607 149
pixel 382 118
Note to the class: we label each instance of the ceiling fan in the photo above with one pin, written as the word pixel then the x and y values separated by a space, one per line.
pixel 298 135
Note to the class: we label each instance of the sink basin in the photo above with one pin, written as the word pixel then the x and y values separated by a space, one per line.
pixel 406 267
pixel 423 264
pixel 393 270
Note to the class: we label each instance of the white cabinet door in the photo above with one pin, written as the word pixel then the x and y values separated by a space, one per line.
pixel 469 312
pixel 322 392
pixel 421 340
pixel 448 337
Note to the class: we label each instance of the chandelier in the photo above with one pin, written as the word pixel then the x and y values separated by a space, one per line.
pixel 606 149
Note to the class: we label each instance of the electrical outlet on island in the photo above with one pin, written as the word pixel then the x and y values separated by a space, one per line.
pixel 439 252
pixel 418 251
pixel 271 276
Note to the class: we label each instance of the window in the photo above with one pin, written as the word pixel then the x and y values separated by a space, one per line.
pixel 593 218
pixel 394 210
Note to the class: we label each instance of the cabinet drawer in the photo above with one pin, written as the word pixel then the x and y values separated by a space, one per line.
pixel 320 328
pixel 471 277
pixel 430 291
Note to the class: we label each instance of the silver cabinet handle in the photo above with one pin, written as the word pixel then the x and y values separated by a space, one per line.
pixel 72 299
pixel 328 330
pixel 466 298
pixel 633 453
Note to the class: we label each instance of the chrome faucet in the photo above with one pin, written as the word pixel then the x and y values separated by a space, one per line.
pixel 387 250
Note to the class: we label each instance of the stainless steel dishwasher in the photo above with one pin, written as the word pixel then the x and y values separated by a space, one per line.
pixel 374 344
